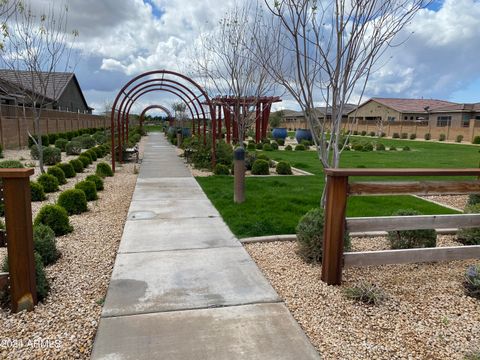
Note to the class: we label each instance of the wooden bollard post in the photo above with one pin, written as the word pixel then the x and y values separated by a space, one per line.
pixel 239 175
pixel 18 220
pixel 334 229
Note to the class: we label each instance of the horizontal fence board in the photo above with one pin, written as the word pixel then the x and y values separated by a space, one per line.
pixel 3 280
pixel 389 223
pixel 402 172
pixel 408 256
pixel 414 187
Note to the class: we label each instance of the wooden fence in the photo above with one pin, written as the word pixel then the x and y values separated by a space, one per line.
pixel 336 224
pixel 19 239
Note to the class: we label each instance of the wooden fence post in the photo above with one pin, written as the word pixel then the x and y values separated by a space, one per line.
pixel 18 220
pixel 334 229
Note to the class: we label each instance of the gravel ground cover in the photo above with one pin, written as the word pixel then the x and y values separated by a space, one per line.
pixel 64 326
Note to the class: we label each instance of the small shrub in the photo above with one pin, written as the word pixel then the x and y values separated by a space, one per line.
pixel 355 132
pixel 89 188
pixel 250 158
pixel 459 138
pixel 267 147
pixel 472 281
pixel 221 169
pixel 372 133
pixel 259 146
pixel 300 147
pixel 52 138
pixel 427 136
pixel 51 156
pixel 58 173
pixel 251 146
pixel 413 136
pixel 92 154
pixel 34 153
pixel 56 217
pixel 74 201
pixel 73 148
pixel 368 147
pixel 87 142
pixel 67 169
pixel 274 145
pixel 44 244
pixel 11 164
pixel 38 194
pixel 406 148
pixel 407 239
pixel 383 134
pixel 288 147
pixel 284 168
pixel 470 236
pixel 260 167
pixel 99 151
pixel 473 199
pixel 310 236
pixel 476 140
pixel 442 137
pixel 61 144
pixel 396 136
pixel 380 147
pixel 262 157
pixel 97 180
pixel 48 182
pixel 104 170
pixel 280 142
pixel 85 160
pixel 357 147
pixel 77 165
pixel 366 293
pixel 45 141
pixel 404 136
pixel 363 133
pixel 99 138
pixel 392 148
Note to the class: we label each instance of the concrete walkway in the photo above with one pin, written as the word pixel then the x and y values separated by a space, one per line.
pixel 183 287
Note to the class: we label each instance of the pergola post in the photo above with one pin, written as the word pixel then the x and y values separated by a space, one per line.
pixel 227 114
pixel 257 122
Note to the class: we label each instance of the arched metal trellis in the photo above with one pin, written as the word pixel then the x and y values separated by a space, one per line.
pixel 151 107
pixel 181 86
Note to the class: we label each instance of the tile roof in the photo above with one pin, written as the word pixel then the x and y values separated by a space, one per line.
pixel 464 107
pixel 412 105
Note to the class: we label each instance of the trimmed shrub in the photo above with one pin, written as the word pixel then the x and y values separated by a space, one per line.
pixel 355 132
pixel 221 169
pixel 52 138
pixel 73 148
pixel 363 133
pixel 380 147
pixel 476 140
pixel 250 158
pixel 300 147
pixel 372 133
pixel 34 153
pixel 87 141
pixel 396 136
pixel 368 147
pixel 37 192
pixel 442 137
pixel 58 173
pixel 44 244
pixel 74 201
pixel 427 136
pixel 48 182
pixel 260 167
pixel 251 146
pixel 85 160
pixel 77 165
pixel 104 170
pixel 288 147
pixel 473 199
pixel 89 188
pixel 280 142
pixel 99 138
pixel 472 281
pixel 11 164
pixel 284 168
pixel 357 147
pixel 310 236
pixel 224 153
pixel 267 147
pixel 97 180
pixel 259 146
pixel 51 156
pixel 61 144
pixel 274 145
pixel 470 236
pixel 459 138
pixel 56 217
pixel 407 239
pixel 45 141
pixel 383 134
pixel 40 278
pixel 67 169
pixel 392 148
pixel 92 154
pixel 99 151
pixel 367 293
pixel 262 157
pixel 404 136
pixel 406 148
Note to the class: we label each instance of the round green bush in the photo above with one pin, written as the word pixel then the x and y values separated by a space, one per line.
pixel 284 168
pixel 310 236
pixel 97 180
pixel 34 153
pixel 407 239
pixel 406 148
pixel 262 157
pixel 11 164
pixel 99 138
pixel 368 147
pixel 77 165
pixel 357 147
pixel 427 136
pixel 74 201
pixel 58 173
pixel 251 146
pixel 363 133
pixel 459 138
pixel 280 142
pixel 51 156
pixel 56 217
pixel 87 141
pixel 85 160
pixel 442 137
pixel 476 140
pixel 73 148
pixel 380 147
pixel 372 133
pixel 392 148
pixel 104 170
pixel 288 147
pixel 38 194
pixel 67 169
pixel 259 146
pixel 92 154
pixel 49 182
pixel 99 151
pixel 404 135
pixel 221 169
pixel 300 147
pixel 89 188
pixel 61 144
pixel 267 147
pixel 274 145
pixel 44 244
pixel 52 138
pixel 470 236
pixel 396 136
pixel 260 167
pixel 413 136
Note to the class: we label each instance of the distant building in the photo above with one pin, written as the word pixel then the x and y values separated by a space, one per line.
pixel 62 93
pixel 293 120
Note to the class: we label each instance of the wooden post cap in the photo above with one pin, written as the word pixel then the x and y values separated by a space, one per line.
pixel 16 173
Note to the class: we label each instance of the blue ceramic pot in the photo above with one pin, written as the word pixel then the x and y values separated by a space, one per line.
pixel 303 134
pixel 186 132
pixel 171 130
pixel 279 133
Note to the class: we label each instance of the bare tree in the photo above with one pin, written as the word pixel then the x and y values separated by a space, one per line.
pixel 225 62
pixel 323 52
pixel 35 47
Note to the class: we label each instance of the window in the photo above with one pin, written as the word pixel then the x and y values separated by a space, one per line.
pixel 466 120
pixel 443 121
pixel 391 119
pixel 411 117
pixel 405 118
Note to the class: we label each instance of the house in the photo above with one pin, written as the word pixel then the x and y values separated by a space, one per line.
pixel 296 119
pixel 61 92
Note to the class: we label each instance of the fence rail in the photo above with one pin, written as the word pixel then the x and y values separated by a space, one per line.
pixel 338 189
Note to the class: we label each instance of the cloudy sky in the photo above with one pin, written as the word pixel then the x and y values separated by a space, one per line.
pixel 122 38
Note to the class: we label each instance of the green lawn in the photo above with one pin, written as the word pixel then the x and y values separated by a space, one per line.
pixel 275 204
pixel 153 128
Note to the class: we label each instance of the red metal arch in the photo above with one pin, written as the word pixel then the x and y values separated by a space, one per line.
pixel 124 102
pixel 151 107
